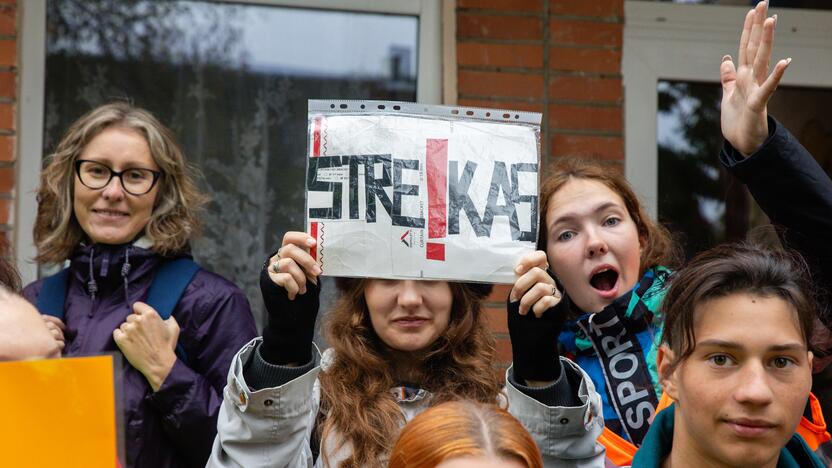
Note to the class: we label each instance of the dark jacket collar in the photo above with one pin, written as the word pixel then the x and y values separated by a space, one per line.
pixel 659 440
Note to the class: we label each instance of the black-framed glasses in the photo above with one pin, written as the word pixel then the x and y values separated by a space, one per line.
pixel 135 180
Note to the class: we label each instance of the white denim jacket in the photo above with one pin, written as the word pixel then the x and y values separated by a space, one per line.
pixel 271 427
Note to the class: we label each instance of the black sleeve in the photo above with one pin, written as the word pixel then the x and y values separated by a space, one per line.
pixel 287 337
pixel 534 341
pixel 796 194
pixel 260 374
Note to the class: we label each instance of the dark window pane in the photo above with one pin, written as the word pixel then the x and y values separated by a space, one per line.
pixel 231 81
pixel 698 200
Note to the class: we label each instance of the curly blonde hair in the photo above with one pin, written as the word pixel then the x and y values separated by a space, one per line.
pixel 355 389
pixel 174 220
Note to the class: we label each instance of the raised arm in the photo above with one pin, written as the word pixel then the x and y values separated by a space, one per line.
pixel 784 179
pixel 747 85
pixel 271 400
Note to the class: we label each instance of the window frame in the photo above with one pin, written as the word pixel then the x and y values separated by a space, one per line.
pixel 666 41
pixel 32 76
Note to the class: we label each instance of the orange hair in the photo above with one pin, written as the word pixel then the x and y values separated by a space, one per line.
pixel 463 428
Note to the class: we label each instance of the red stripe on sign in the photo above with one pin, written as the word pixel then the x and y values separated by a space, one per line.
pixel 436 161
pixel 316 138
pixel 313 231
pixel 436 251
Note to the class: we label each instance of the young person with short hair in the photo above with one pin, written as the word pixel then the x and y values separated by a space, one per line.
pixel 735 359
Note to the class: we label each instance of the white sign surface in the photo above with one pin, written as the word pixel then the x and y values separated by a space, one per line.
pixel 421 192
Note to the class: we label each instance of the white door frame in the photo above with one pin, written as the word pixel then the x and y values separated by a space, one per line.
pixel 32 76
pixel 686 42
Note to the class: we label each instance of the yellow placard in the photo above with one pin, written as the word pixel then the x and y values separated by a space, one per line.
pixel 58 412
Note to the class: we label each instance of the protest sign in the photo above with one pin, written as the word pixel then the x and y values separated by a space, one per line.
pixel 59 412
pixel 403 190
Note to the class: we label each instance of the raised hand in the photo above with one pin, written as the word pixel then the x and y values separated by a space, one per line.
pixel 747 86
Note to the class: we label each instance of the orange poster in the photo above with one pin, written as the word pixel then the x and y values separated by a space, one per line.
pixel 58 412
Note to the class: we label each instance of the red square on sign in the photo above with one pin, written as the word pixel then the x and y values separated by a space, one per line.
pixel 436 251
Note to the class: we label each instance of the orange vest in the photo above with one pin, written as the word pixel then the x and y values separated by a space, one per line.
pixel 621 452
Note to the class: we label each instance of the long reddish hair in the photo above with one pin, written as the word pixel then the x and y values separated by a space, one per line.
pixel 463 429
pixel 355 389
pixel 657 245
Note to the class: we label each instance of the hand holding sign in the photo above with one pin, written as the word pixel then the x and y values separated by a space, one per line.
pixel 534 337
pixel 292 265
pixel 534 288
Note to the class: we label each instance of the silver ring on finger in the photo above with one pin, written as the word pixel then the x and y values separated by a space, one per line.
pixel 276 266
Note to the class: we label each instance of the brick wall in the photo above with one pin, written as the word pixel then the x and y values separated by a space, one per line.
pixel 8 111
pixel 561 58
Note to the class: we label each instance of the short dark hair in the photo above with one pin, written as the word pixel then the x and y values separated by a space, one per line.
pixel 730 269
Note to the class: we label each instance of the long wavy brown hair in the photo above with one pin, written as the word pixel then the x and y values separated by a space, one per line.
pixel 464 428
pixel 174 220
pixel 355 389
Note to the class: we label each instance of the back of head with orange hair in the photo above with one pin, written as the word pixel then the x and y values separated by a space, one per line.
pixel 462 428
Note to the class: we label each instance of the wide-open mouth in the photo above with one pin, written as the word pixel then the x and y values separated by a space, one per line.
pixel 604 280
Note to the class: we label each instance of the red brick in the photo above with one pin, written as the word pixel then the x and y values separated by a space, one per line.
pixel 8 21
pixel 581 88
pixel 7 148
pixel 585 60
pixel 499 293
pixel 585 117
pixel 499 84
pixel 7 116
pixel 5 211
pixel 499 55
pixel 503 105
pixel 499 27
pixel 595 8
pixel 502 354
pixel 495 319
pixel 499 374
pixel 612 165
pixel 513 5
pixel 7 182
pixel 8 84
pixel 587 146
pixel 585 32
pixel 8 53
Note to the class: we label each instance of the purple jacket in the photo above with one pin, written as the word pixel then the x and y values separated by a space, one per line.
pixel 175 426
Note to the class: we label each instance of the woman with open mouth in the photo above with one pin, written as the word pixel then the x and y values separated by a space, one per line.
pixel 601 249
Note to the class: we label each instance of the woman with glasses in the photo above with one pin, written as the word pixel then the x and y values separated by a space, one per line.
pixel 117 200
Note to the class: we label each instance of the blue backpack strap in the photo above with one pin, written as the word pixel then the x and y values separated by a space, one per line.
pixel 167 288
pixel 52 294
